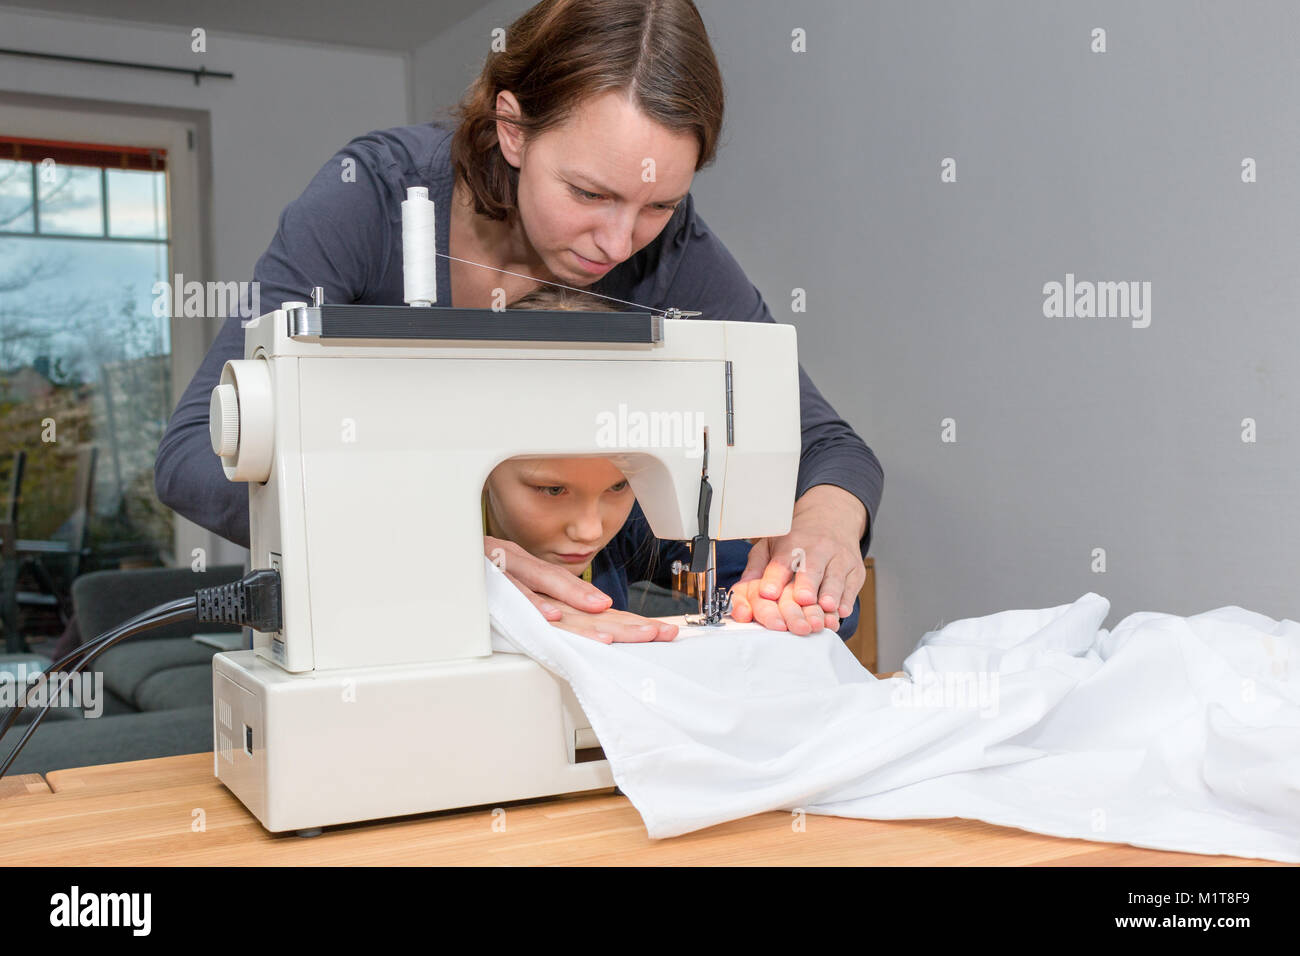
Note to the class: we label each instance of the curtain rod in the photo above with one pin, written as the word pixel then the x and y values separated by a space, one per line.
pixel 198 74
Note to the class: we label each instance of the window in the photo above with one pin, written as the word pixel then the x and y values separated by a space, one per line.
pixel 85 354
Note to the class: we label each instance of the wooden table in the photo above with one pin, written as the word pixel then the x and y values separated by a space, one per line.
pixel 173 811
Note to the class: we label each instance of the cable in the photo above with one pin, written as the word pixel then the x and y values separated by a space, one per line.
pixel 59 664
pixel 183 613
pixel 141 622
pixel 253 601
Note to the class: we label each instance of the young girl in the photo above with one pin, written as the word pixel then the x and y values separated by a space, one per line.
pixel 581 513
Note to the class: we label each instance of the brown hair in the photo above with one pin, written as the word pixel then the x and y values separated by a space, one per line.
pixel 560 52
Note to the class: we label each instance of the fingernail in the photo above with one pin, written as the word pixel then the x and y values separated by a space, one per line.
pixel 806 595
pixel 594 601
pixel 603 637
pixel 548 609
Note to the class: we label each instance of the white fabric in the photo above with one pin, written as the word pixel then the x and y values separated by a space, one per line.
pixel 1171 733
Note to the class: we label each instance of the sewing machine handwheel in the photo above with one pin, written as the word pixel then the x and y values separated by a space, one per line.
pixel 241 422
pixel 223 420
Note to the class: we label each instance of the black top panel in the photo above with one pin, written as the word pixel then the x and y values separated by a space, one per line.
pixel 440 322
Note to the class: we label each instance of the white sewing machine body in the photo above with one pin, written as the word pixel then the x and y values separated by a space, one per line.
pixel 365 458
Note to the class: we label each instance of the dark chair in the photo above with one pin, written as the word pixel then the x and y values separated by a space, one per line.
pixel 64 552
pixel 14 643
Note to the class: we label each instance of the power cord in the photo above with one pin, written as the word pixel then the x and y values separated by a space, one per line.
pixel 252 601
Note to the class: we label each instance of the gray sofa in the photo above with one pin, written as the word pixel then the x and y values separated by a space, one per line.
pixel 157 686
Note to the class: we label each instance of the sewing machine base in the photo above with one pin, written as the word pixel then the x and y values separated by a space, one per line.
pixel 329 747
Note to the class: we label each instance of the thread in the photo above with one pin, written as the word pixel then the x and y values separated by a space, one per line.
pixel 419 248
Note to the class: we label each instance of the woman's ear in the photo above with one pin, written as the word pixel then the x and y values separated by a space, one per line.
pixel 509 136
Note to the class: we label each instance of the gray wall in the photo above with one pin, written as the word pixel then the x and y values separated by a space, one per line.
pixel 926 298
pixel 448 62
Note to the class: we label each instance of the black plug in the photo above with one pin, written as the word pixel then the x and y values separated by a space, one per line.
pixel 252 601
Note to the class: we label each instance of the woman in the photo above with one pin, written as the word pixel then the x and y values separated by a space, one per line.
pixel 571 163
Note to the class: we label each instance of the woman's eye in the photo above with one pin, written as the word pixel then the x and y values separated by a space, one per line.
pixel 558 489
pixel 584 194
pixel 620 486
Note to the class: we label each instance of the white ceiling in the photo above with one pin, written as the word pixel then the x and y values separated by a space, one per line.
pixel 398 25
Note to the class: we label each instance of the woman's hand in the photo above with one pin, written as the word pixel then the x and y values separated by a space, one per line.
pixel 573 604
pixel 806 579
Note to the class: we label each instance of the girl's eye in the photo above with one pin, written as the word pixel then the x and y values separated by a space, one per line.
pixel 584 194
pixel 559 489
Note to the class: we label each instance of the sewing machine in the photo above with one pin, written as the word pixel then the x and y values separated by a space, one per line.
pixel 365 434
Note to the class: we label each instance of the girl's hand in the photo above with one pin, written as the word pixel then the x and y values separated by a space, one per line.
pixel 539 580
pixel 577 606
pixel 806 579
pixel 612 626
pixel 790 615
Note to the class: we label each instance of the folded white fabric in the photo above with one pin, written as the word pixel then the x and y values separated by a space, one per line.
pixel 1171 733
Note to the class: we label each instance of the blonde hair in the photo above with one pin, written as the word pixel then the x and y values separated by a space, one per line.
pixel 560 299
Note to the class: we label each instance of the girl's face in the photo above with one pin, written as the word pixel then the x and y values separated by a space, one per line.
pixel 562 510
pixel 600 187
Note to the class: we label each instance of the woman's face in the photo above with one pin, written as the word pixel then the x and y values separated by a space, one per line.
pixel 558 507
pixel 597 189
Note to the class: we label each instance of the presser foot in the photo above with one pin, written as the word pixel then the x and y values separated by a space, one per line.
pixel 713 612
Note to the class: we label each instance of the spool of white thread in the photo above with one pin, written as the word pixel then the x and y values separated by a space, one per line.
pixel 419 259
